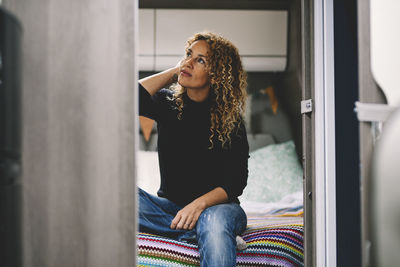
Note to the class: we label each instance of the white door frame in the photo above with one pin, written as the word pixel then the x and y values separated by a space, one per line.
pixel 325 166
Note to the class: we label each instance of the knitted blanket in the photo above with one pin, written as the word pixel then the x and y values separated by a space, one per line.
pixel 272 240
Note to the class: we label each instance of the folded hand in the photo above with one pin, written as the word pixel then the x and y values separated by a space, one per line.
pixel 187 217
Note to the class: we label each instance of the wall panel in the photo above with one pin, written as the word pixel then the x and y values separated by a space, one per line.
pixel 79 124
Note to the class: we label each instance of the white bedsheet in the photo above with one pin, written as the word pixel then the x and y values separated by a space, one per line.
pixel 259 208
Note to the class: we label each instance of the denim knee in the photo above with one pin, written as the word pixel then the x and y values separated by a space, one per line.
pixel 223 218
pixel 216 229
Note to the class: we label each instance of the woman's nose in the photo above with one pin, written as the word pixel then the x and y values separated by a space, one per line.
pixel 188 62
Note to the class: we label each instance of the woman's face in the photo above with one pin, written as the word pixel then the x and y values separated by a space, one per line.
pixel 193 70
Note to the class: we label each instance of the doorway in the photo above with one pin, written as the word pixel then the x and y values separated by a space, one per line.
pixel 295 84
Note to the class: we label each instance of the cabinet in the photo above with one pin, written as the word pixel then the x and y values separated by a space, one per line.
pixel 260 35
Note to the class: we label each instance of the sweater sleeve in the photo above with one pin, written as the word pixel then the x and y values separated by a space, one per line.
pixel 152 106
pixel 235 165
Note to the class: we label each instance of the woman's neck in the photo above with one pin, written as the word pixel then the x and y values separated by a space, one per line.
pixel 198 95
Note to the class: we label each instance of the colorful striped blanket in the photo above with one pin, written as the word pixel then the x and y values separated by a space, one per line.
pixel 272 240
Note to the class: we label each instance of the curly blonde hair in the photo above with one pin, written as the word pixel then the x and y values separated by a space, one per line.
pixel 228 87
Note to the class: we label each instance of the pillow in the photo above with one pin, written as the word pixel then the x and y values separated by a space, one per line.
pixel 148 171
pixel 274 172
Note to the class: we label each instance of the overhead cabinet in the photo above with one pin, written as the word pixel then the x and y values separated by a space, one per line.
pixel 260 35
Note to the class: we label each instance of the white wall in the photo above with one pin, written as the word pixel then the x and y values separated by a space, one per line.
pixel 385 53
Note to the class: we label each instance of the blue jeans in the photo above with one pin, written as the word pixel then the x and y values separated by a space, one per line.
pixel 215 231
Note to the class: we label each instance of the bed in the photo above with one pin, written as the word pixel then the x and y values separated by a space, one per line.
pixel 273 239
pixel 272 200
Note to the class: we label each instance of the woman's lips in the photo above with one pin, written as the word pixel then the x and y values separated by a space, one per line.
pixel 185 73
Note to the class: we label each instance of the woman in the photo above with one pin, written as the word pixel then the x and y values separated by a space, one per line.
pixel 202 149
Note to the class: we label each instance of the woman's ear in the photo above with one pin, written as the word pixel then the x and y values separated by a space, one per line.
pixel 211 76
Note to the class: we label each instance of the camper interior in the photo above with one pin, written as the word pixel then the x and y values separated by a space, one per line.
pixel 269 39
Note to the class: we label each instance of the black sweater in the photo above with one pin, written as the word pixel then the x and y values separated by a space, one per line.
pixel 188 168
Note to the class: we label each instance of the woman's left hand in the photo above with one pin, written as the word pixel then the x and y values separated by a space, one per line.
pixel 187 217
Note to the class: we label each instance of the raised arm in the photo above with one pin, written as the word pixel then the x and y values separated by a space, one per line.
pixel 160 80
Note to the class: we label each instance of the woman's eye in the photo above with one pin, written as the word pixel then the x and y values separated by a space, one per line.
pixel 201 61
pixel 188 54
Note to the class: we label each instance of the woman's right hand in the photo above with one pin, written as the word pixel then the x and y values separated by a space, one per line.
pixel 177 67
pixel 160 80
pixel 175 75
